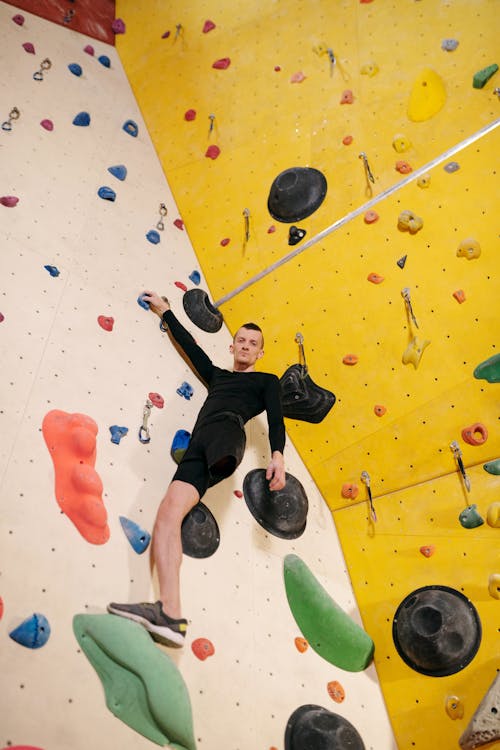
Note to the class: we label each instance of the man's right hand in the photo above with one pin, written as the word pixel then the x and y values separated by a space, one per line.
pixel 157 304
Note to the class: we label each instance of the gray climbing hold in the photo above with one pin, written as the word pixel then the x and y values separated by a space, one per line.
pixel 119 171
pixel 401 262
pixel 449 45
pixel 75 69
pixel 484 727
pixel 82 119
pixel 452 166
pixel 106 193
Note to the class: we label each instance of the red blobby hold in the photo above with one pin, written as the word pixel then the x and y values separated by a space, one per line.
pixel 403 167
pixel 370 217
pixel 1 607
pixel 225 242
pixel 375 278
pixel 71 440
pixel 301 644
pixel 212 152
pixel 89 50
pixel 180 285
pixel 179 224
pixel 28 47
pixel 2 317
pixel 106 322
pixel 238 493
pixel 350 359
pixel 427 550
pixel 156 400
pixel 18 19
pixel 222 64
pixel 350 491
pixel 190 115
pixel 165 35
pixel 347 140
pixel 9 200
pixel 277 68
pixel 347 97
pixel 202 648
pixel 335 691
pixel 47 125
pixel 271 229
pixel 208 26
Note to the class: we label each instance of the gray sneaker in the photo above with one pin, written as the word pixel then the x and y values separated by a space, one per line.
pixel 163 628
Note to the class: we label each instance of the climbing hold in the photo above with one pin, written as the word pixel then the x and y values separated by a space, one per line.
pixel 106 322
pixel 165 35
pixel 414 350
pixel 9 200
pixel 195 277
pixel 336 691
pixel 427 550
pixel 222 64
pixel 350 491
pixel 449 45
pixel 459 295
pixel 47 124
pixel 484 726
pixel 225 242
pixel 347 97
pixel 117 433
pixel 18 19
pixel 312 726
pixel 403 167
pixel 143 686
pixel 106 193
pixel 277 68
pixel 143 303
pixel 138 538
pixel 153 236
pixel 492 467
pixel 370 217
pixel 201 312
pixel 185 390
pixel 476 434
pixel 379 410
pixel 53 270
pixel 401 262
pixel 436 630
pixel 469 248
pixel 28 47
pixel 157 400
pixel 489 370
pixel 297 77
pixel 179 445
pixel 470 518
pixel 483 76
pixel 118 26
pixel 202 648
pixel 400 143
pixel 301 397
pixel 104 60
pixel 119 171
pixel 427 96
pixel 200 534
pixel 212 152
pixel 301 644
pixel 493 515
pixel 208 26
pixel 424 181
pixel 1 607
pixel 75 69
pixel 2 317
pixel 408 221
pixel 130 127
pixel 34 632
pixel 238 494
pixel 190 115
pixel 327 628
pixel 271 229
pixel 347 140
pixel 82 119
pixel 369 69
pixel 350 359
pixel 88 49
pixel 295 235
pixel 454 707
pixel 296 193
pixel 180 285
pixel 281 512
pixel 375 278
pixel 494 585
pixel 179 224
pixel 71 440
pixel 452 166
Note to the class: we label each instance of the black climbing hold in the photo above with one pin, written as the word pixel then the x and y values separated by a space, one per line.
pixel 296 193
pixel 301 398
pixel 401 262
pixel 199 532
pixel 282 512
pixel 201 312
pixel 436 630
pixel 295 235
pixel 315 728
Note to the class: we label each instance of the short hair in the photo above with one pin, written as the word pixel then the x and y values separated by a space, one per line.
pixel 251 327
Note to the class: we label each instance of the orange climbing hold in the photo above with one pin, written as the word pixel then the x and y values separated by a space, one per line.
pixel 347 97
pixel 347 140
pixel 375 278
pixel 71 440
pixel 350 359
pixel 370 217
pixel 202 648
pixel 459 296
pixel 350 491
pixel 336 691
pixel 403 167
pixel 476 434
pixel 427 550
pixel 379 410
pixel 301 644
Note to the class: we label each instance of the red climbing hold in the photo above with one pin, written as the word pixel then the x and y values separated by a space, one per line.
pixel 47 124
pixel 1 607
pixel 28 47
pixel 89 49
pixel 222 64
pixel 156 400
pixel 347 140
pixel 106 322
pixel 165 35
pixel 180 285
pixel 190 115
pixel 179 224
pixel 202 648
pixel 2 317
pixel 18 18
pixel 277 68
pixel 212 152
pixel 238 493
pixel 403 167
pixel 9 200
pixel 208 26
pixel 225 242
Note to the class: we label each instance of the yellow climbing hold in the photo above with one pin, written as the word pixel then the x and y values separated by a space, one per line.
pixel 424 181
pixel 469 248
pixel 454 707
pixel 369 69
pixel 427 96
pixel 400 143
pixel 493 515
pixel 414 350
pixel 494 585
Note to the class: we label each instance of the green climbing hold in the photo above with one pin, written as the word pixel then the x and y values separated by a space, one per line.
pixel 326 627
pixel 143 687
pixel 492 467
pixel 483 76
pixel 489 370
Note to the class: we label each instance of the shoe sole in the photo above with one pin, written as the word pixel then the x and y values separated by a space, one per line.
pixel 161 634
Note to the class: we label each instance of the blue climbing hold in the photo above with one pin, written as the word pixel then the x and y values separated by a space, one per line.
pixel 117 433
pixel 185 390
pixel 153 236
pixel 82 119
pixel 33 632
pixel 52 270
pixel 104 60
pixel 119 171
pixel 75 69
pixel 452 166
pixel 179 445
pixel 449 45
pixel 138 538
pixel 106 193
pixel 143 303
pixel 195 277
pixel 131 128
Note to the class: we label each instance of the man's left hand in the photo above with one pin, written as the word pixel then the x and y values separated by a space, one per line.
pixel 275 473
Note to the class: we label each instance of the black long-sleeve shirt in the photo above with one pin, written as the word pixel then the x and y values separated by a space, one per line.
pixel 244 393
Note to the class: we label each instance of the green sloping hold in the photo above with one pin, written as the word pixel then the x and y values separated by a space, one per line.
pixel 143 687
pixel 492 467
pixel 326 627
pixel 483 76
pixel 489 369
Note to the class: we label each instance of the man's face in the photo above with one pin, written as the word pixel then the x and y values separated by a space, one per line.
pixel 246 348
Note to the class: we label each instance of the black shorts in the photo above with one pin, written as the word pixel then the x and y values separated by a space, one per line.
pixel 215 450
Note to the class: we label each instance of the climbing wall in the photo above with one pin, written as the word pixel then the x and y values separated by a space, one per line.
pixel 385 99
pixel 88 221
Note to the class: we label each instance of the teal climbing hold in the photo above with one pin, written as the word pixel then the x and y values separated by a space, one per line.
pixel 492 467
pixel 138 538
pixel 142 685
pixel 326 627
pixel 489 370
pixel 470 517
pixel 33 632
pixel 119 171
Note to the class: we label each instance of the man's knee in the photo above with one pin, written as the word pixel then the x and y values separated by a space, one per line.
pixel 179 499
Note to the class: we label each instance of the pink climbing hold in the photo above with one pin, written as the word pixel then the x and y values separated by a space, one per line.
pixel 19 19
pixel 202 648
pixel 297 77
pixel 28 47
pixel 271 229
pixel 47 124
pixel 212 152
pixel 118 26
pixel 9 200
pixel 225 242
pixel 208 26
pixel 222 64
pixel 156 400
pixel 2 317
pixel 180 285
pixel 190 115
pixel 106 322
pixel 179 224
pixel 88 49
pixel 1 607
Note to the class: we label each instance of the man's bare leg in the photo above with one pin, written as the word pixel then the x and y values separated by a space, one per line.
pixel 179 499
